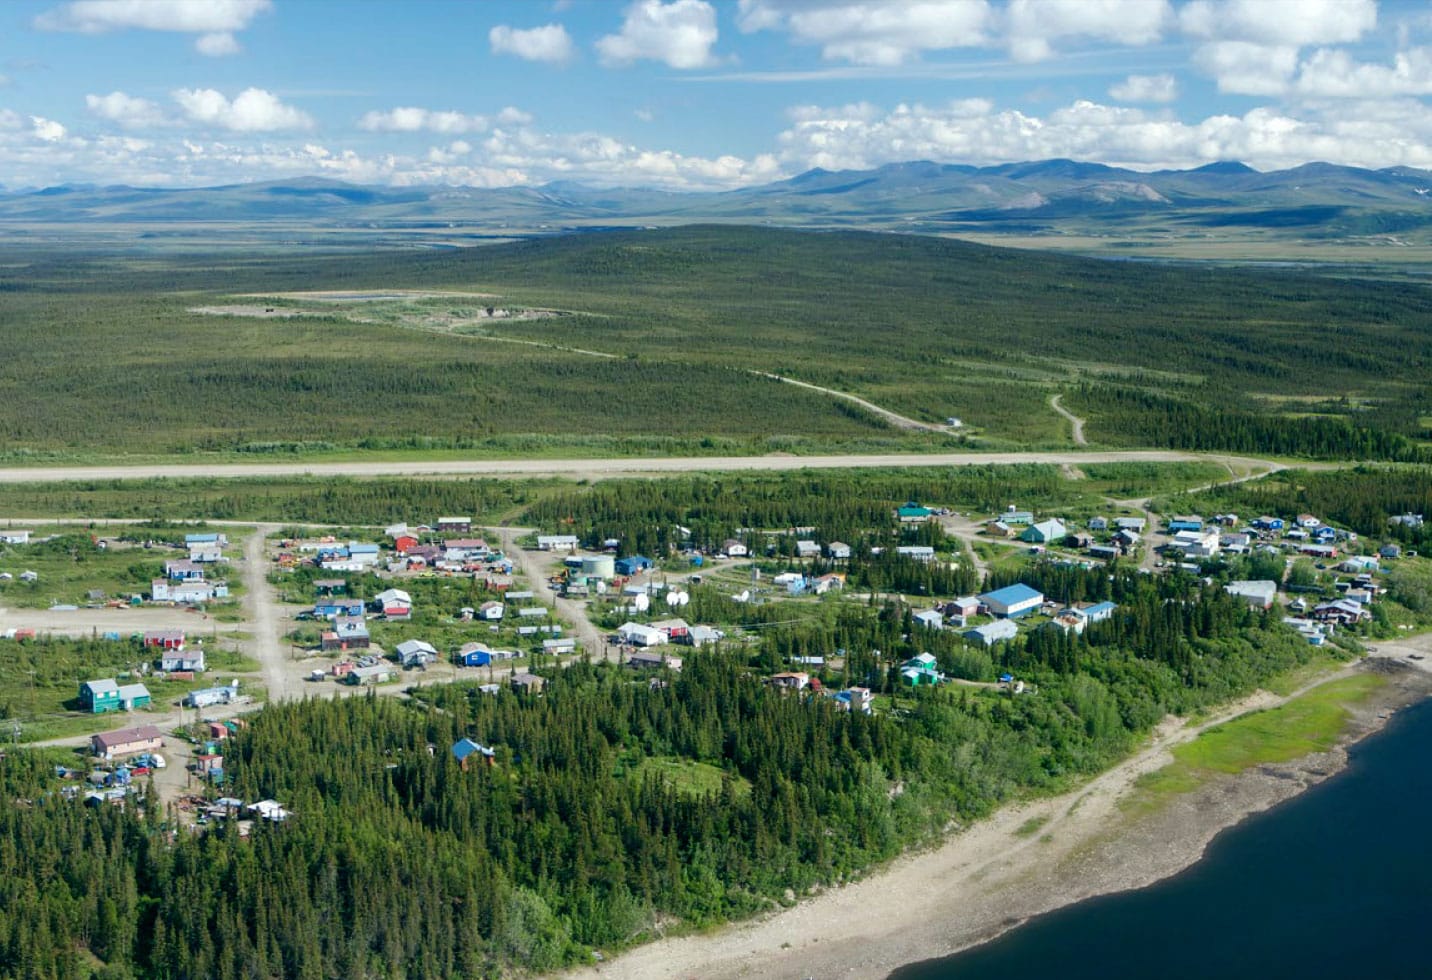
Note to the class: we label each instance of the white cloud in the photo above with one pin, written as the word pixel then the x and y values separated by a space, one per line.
pixel 214 20
pixel 874 32
pixel 47 129
pixel 411 119
pixel 1145 88
pixel 1033 24
pixel 1247 68
pixel 511 115
pixel 855 137
pixel 680 34
pixel 1331 73
pixel 1279 23
pixel 11 120
pixel 217 45
pixel 549 43
pixel 253 110
pixel 126 110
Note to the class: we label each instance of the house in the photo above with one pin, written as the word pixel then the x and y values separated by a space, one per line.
pixel 361 554
pixel 556 542
pixel 362 676
pixel 459 524
pixel 206 537
pixel 913 513
pixel 856 699
pixel 1134 524
pixel 930 619
pixel 1012 601
pixel 1407 520
pixel 1066 621
pixel 1197 544
pixel 171 660
pixel 15 536
pixel 1107 552
pixel 206 554
pixel 1266 523
pixel 98 697
pixel 1343 611
pixel 1095 612
pixel 1259 593
pixel 992 633
pixel 465 549
pixel 394 604
pixel 653 661
pixel 268 810
pixel 559 645
pixel 348 633
pixel 330 586
pixel 1359 563
pixel 133 696
pixel 920 670
pixel 127 741
pixel 465 748
pixel 961 609
pixel 1020 517
pixel 631 565
pixel 1187 522
pixel 1389 551
pixel 732 548
pixel 181 569
pixel 532 612
pixel 807 549
pixel 416 653
pixel 790 680
pixel 916 552
pixel 332 608
pixel 1045 532
pixel 404 543
pixel 1098 524
pixel 1237 543
pixel 530 683
pixel 1308 521
pixel 474 655
pixel 838 551
pixel 699 636
pixel 827 582
pixel 1318 550
pixel 491 611
pixel 1000 529
pixel 187 590
pixel 164 639
pixel 1325 534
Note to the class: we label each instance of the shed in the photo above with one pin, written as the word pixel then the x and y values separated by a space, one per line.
pixel 632 565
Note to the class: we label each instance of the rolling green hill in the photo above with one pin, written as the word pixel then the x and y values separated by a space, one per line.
pixel 663 335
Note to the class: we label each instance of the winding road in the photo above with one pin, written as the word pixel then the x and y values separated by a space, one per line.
pixel 1076 424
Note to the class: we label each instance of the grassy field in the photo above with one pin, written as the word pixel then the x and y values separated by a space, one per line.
pixel 927 327
pixel 1309 723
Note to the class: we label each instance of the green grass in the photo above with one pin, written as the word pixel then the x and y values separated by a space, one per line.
pixel 1307 724
pixel 1031 826
pixel 688 777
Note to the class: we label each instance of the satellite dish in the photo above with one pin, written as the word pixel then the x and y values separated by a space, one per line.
pixel 743 596
pixel 642 603
pixel 682 598
pixel 673 598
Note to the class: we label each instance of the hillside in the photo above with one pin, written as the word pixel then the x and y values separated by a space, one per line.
pixel 659 340
pixel 1045 202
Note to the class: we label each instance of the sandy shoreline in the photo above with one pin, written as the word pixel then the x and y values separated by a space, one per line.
pixel 989 878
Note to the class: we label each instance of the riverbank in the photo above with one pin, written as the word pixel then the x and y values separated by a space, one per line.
pixel 1025 860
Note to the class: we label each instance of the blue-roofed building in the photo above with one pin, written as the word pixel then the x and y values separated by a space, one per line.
pixel 632 564
pixel 1187 523
pixel 1012 601
pixel 1098 612
pixel 193 539
pixel 465 748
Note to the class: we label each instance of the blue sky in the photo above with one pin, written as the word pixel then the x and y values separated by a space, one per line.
pixel 696 94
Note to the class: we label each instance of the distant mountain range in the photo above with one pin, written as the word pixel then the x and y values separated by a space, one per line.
pixel 1315 200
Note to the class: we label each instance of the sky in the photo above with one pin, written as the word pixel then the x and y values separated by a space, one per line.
pixel 696 94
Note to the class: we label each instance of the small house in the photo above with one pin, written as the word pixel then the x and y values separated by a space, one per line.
pixel 530 683
pixel 559 645
pixel 465 748
pixel 930 619
pixel 99 697
pixel 491 611
pixel 653 661
pixel 183 570
pixel 732 548
pixel 134 696
pixel 416 653
pixel 790 680
pixel 1045 532
pixel 556 542
pixel 632 565
pixel 1187 522
pixel 916 552
pixel 1258 593
pixel 838 551
pixel 992 633
pixel 459 524
pixel 181 660
pixel 639 634
pixel 474 655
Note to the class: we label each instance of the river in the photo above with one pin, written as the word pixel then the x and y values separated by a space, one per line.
pixel 1336 882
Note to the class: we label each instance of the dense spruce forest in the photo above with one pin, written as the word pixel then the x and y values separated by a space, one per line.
pixel 614 806
pixel 662 336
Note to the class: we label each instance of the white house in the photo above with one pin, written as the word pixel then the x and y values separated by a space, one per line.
pixel 1258 592
pixel 15 536
pixel 556 542
pixel 641 635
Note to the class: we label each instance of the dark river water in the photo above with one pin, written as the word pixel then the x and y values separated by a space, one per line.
pixel 1334 883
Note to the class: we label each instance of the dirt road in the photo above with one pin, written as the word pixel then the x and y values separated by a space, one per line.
pixel 1076 424
pixel 597 469
pixel 261 611
pixel 538 569
pixel 895 419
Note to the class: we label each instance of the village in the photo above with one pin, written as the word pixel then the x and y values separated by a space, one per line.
pixel 278 613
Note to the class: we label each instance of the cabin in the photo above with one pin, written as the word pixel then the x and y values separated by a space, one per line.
pixel 653 661
pixel 99 697
pixel 1045 532
pixel 465 749
pixel 527 682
